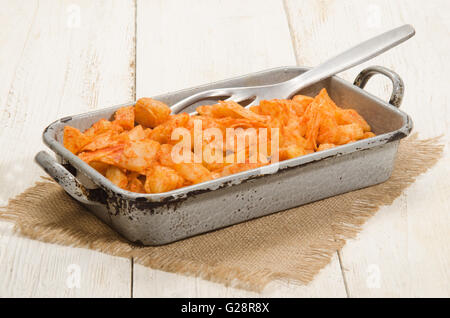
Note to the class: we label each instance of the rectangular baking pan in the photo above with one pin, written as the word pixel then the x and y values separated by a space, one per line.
pixel 154 219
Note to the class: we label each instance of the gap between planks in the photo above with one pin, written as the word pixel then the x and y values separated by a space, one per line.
pixel 343 273
pixel 297 60
pixel 134 99
pixel 291 32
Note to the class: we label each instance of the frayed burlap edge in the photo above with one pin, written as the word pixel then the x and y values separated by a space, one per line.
pixel 346 224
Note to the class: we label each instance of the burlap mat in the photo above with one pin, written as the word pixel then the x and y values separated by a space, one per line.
pixel 293 245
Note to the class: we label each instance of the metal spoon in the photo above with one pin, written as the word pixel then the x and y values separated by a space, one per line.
pixel 354 56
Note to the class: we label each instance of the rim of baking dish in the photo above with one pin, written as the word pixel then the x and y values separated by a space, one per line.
pixel 50 132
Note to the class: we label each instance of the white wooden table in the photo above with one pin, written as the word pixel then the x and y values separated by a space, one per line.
pixel 60 58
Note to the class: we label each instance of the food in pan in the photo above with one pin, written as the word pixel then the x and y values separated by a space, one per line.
pixel 146 149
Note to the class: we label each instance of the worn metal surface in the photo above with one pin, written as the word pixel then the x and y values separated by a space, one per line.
pixel 154 219
pixel 398 87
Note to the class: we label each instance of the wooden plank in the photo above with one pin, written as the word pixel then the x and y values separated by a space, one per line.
pixel 182 44
pixel 403 250
pixel 13 36
pixel 186 44
pixel 155 283
pixel 34 269
pixel 63 58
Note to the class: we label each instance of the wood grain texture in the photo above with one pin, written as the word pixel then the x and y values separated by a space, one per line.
pixel 33 269
pixel 183 44
pixel 56 64
pixel 155 283
pixel 403 250
pixel 63 58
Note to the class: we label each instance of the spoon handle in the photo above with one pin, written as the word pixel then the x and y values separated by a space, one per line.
pixel 354 56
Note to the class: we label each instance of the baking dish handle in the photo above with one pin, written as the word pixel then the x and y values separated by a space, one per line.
pixel 398 88
pixel 63 177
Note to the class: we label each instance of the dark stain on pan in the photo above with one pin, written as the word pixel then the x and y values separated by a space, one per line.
pixel 66 119
pixel 70 168
pixel 95 195
pixel 397 95
pixel 47 129
pixel 58 180
pixel 396 136
pixel 139 243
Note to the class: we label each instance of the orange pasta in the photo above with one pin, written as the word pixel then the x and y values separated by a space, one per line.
pixel 145 149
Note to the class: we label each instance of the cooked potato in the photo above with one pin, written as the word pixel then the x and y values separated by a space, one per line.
pixel 143 158
pixel 162 179
pixel 74 139
pixel 151 113
pixel 125 117
pixel 117 176
pixel 135 183
pixel 138 155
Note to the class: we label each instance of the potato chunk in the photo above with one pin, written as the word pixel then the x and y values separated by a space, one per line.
pixel 162 179
pixel 125 117
pixel 138 155
pixel 117 176
pixel 74 139
pixel 139 152
pixel 151 113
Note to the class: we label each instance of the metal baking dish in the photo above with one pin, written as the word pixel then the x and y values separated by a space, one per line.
pixel 154 219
